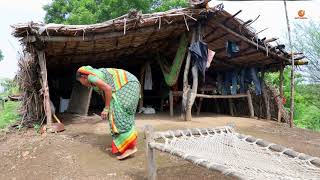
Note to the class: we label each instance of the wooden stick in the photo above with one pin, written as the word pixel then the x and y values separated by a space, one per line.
pixel 150 154
pixel 142 86
pixel 231 107
pixel 222 96
pixel 171 103
pixel 45 88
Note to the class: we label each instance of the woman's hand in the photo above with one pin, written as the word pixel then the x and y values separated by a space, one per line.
pixel 105 113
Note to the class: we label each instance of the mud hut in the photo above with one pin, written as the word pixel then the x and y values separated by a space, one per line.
pixel 159 41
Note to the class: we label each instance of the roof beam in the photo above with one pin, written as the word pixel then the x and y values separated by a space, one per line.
pixel 103 35
pixel 249 41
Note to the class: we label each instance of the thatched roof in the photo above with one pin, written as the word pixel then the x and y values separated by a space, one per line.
pixel 139 35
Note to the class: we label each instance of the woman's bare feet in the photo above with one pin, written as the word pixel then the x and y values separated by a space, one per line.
pixel 127 153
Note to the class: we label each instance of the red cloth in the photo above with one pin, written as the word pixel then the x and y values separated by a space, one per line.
pixel 115 150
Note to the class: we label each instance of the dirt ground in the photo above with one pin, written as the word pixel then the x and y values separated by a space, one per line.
pixel 79 152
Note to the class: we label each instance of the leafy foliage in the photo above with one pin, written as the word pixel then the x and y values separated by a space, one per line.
pixel 306 99
pixel 9 114
pixel 306 36
pixel 94 11
pixel 9 85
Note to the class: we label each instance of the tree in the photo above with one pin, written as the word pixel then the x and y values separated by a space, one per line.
pixel 94 11
pixel 1 56
pixel 306 36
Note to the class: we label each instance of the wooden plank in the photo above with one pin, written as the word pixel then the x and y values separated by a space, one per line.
pixel 150 154
pixel 45 88
pixel 222 96
pixel 250 104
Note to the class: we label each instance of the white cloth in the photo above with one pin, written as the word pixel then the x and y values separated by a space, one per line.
pixel 210 57
pixel 148 77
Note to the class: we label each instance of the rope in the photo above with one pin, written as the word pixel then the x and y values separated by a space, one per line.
pixel 231 153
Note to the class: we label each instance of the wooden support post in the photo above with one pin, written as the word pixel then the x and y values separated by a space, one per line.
pixel 193 92
pixel 281 94
pixel 142 86
pixel 231 107
pixel 200 104
pixel 292 67
pixel 265 96
pixel 185 80
pixel 150 154
pixel 250 104
pixel 171 103
pixel 45 88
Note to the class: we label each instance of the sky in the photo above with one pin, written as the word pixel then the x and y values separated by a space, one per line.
pixel 271 13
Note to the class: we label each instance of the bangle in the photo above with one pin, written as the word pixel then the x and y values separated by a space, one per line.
pixel 106 109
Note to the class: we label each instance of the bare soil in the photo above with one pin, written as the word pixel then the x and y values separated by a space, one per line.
pixel 79 152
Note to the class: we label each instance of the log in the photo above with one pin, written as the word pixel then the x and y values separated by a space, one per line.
pixel 193 92
pixel 45 88
pixel 281 94
pixel 185 78
pixel 150 154
pixel 250 104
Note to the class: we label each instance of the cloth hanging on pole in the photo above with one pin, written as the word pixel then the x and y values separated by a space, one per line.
pixel 199 53
pixel 210 57
pixel 148 77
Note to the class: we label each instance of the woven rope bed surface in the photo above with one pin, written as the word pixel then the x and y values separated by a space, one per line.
pixel 245 157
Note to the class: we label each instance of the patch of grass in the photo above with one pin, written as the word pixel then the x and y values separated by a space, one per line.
pixel 9 114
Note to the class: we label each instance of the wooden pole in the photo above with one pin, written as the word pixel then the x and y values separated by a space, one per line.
pixel 171 103
pixel 150 154
pixel 142 86
pixel 231 107
pixel 45 88
pixel 250 104
pixel 265 96
pixel 281 94
pixel 193 92
pixel 185 79
pixel 292 67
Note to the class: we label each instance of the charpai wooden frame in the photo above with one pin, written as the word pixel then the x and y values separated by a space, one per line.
pixel 152 145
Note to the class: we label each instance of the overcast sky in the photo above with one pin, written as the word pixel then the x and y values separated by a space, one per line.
pixel 271 16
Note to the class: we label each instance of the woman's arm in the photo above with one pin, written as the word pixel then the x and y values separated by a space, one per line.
pixel 106 88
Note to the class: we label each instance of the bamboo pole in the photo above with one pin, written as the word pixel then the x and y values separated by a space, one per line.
pixel 292 67
pixel 45 88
